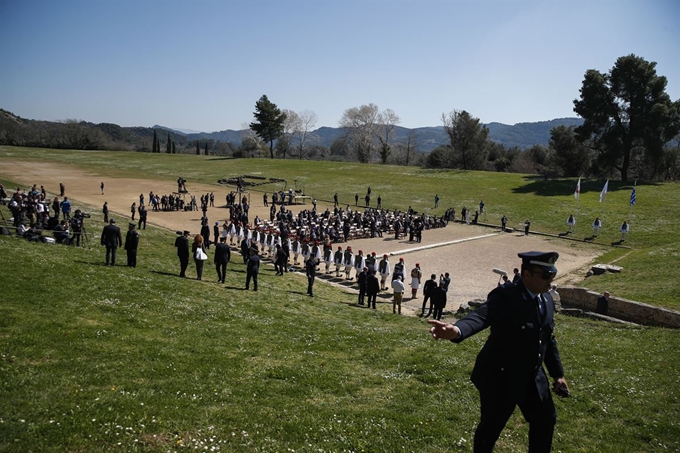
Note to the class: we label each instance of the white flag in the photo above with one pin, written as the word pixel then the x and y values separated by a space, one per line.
pixel 578 189
pixel 604 191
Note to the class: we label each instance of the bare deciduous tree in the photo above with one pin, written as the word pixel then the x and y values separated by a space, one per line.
pixel 387 120
pixel 360 124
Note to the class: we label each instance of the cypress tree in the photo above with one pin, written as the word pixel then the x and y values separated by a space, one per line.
pixel 155 141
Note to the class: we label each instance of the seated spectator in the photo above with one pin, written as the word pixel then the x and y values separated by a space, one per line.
pixel 61 233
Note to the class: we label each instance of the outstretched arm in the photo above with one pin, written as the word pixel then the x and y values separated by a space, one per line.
pixel 444 331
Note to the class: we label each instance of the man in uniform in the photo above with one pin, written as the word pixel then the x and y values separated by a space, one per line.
pixel 571 221
pixel 112 239
pixel 348 261
pixel 182 244
pixel 337 258
pixel 131 244
pixel 384 270
pixel 359 262
pixel 509 368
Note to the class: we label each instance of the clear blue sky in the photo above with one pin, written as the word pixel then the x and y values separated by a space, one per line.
pixel 203 64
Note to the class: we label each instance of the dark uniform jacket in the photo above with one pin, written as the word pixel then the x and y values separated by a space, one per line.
pixel 132 240
pixel 519 343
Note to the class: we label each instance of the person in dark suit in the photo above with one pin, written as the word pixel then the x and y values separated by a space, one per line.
pixel 245 249
pixel 216 233
pixel 372 289
pixel 131 244
pixel 516 276
pixel 438 301
pixel 205 232
pixel 280 259
pixel 112 239
pixel 252 268
pixel 222 257
pixel 602 304
pixel 182 244
pixel 361 280
pixel 310 271
pixel 509 369
pixel 427 294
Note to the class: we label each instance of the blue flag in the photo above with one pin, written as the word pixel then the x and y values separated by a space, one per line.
pixel 632 197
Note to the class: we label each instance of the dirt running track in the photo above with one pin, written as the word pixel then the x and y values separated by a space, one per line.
pixel 470 261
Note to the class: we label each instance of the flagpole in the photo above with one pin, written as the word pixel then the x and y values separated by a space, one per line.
pixel 632 203
pixel 578 198
pixel 603 199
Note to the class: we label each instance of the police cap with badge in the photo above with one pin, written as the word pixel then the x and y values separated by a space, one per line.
pixel 544 260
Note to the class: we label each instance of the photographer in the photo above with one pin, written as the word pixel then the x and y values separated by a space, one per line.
pixel 77 227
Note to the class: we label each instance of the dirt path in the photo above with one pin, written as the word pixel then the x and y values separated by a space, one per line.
pixel 469 261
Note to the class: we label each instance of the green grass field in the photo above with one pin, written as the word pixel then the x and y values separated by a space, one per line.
pixel 115 359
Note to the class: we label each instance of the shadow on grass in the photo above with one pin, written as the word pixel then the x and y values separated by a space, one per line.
pixel 240 288
pixel 98 263
pixel 538 185
pixel 170 274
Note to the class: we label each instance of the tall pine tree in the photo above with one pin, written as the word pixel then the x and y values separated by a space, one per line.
pixel 269 122
pixel 168 148
pixel 198 148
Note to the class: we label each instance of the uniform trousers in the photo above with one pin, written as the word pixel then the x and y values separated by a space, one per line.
pixel 497 407
pixel 183 264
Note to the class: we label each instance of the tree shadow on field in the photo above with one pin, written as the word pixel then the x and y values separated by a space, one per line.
pixel 538 185
pixel 221 158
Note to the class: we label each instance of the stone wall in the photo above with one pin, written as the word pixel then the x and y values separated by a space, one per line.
pixel 637 312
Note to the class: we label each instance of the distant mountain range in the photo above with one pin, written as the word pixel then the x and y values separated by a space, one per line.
pixel 18 131
pixel 521 135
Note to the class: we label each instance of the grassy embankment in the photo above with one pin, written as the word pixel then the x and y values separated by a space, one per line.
pixel 99 359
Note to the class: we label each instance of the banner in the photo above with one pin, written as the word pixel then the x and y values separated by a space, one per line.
pixel 632 196
pixel 604 191
pixel 578 189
